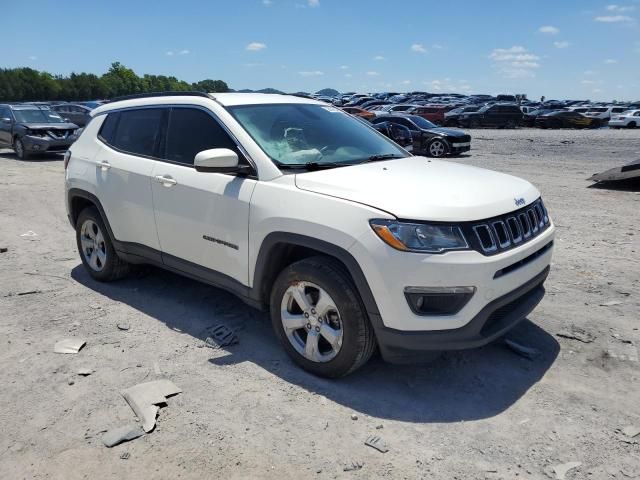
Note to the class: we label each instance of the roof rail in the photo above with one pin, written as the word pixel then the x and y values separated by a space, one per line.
pixel 159 94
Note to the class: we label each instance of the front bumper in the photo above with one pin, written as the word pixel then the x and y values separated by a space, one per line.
pixel 33 144
pixel 619 123
pixel 493 321
pixel 499 279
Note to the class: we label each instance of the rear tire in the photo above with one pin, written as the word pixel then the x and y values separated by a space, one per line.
pixel 96 250
pixel 327 330
pixel 632 125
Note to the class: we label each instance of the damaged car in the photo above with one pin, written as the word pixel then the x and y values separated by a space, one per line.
pixel 429 139
pixel 33 129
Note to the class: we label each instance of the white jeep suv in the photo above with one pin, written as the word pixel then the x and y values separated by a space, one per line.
pixel 350 242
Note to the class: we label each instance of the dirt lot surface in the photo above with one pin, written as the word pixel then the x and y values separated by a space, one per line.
pixel 248 412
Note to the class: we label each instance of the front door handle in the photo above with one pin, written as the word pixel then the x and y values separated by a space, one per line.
pixel 104 165
pixel 166 180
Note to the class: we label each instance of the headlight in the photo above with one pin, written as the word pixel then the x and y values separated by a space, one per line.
pixel 420 237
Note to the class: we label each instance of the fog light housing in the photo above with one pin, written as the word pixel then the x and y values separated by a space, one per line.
pixel 438 300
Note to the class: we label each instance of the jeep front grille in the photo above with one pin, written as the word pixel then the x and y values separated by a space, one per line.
pixel 502 233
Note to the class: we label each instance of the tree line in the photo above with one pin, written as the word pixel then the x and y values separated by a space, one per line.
pixel 27 84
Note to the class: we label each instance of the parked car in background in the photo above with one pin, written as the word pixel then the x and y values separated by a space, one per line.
pixel 360 112
pixel 32 129
pixel 451 117
pixel 628 119
pixel 529 119
pixel 93 103
pixel 74 113
pixel 394 108
pixel 429 139
pixel 566 119
pixel 502 115
pixel 433 113
pixel 604 113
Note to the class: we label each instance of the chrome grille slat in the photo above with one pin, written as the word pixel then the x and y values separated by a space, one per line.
pixel 511 230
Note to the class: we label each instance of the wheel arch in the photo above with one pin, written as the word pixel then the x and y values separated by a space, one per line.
pixel 78 200
pixel 280 249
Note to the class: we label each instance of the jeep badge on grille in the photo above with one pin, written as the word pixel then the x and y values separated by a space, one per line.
pixel 519 202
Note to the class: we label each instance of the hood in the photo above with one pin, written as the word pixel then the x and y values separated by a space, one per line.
pixel 449 132
pixel 418 188
pixel 49 126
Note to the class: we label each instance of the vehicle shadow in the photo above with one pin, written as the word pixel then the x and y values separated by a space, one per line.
pixel 457 386
pixel 627 185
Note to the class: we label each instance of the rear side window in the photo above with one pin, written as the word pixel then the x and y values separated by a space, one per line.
pixel 138 131
pixel 108 128
pixel 191 131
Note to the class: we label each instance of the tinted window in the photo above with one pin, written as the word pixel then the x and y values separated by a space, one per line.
pixel 192 131
pixel 4 113
pixel 138 131
pixel 108 128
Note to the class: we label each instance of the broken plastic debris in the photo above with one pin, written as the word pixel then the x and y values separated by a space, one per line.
pixel 85 371
pixel 611 303
pixel 562 469
pixel 352 465
pixel 123 326
pixel 30 233
pixel 377 442
pixel 221 336
pixel 69 345
pixel 3 249
pixel 144 399
pixel 527 352
pixel 631 431
pixel 118 435
pixel 576 333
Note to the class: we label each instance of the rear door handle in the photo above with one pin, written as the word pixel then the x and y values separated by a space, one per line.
pixel 166 180
pixel 104 165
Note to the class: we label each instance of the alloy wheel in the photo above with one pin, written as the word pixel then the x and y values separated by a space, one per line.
pixel 311 322
pixel 19 148
pixel 93 245
pixel 437 148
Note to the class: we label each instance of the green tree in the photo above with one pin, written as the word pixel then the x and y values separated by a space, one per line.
pixel 210 86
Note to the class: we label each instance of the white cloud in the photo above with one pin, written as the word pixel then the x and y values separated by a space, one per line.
pixel 348 75
pixel 587 82
pixel 313 3
pixel 447 85
pixel 312 73
pixel 267 3
pixel 171 53
pixel 32 57
pixel 373 74
pixel 620 8
pixel 561 44
pixel 405 82
pixel 596 90
pixel 613 18
pixel 184 52
pixel 344 67
pixel 610 61
pixel 590 72
pixel 437 46
pixel 418 48
pixel 256 46
pixel 515 62
pixel 549 30
pixel 379 58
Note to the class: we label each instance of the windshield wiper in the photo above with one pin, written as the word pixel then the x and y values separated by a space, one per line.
pixel 310 166
pixel 377 158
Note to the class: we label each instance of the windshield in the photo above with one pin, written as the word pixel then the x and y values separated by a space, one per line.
pixel 298 134
pixel 422 122
pixel 36 115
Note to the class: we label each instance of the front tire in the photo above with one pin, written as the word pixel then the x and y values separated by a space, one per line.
pixel 319 319
pixel 18 147
pixel 96 250
pixel 632 125
pixel 437 148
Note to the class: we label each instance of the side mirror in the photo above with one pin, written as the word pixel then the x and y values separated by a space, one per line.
pixel 218 160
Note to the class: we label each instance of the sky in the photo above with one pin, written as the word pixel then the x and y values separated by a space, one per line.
pixel 578 49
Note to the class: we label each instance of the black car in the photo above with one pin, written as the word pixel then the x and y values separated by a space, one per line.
pixel 566 119
pixel 429 139
pixel 529 119
pixel 451 117
pixel 30 129
pixel 78 114
pixel 502 115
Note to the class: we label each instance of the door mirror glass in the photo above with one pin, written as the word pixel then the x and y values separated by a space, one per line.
pixel 221 160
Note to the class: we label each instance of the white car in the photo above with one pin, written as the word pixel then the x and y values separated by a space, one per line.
pixel 604 113
pixel 350 242
pixel 628 119
pixel 395 108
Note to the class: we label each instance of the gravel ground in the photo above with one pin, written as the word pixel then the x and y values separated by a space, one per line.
pixel 247 412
